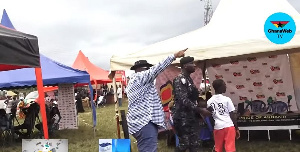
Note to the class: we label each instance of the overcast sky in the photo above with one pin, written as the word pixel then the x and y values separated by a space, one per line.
pixel 101 28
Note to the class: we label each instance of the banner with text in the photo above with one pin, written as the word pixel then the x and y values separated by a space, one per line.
pixel 255 78
pixel 67 107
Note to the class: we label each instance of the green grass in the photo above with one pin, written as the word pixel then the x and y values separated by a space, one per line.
pixel 83 139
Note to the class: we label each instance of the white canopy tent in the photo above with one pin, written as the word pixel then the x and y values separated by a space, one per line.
pixel 236 29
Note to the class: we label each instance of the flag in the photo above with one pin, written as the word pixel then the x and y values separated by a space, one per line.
pixel 93 105
pixel 5 21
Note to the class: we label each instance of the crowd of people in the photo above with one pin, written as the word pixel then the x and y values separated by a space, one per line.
pixel 102 96
pixel 13 109
pixel 145 113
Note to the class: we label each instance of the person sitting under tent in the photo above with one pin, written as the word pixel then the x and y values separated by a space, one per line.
pixel 53 118
pixel 4 121
pixel 31 111
pixel 101 101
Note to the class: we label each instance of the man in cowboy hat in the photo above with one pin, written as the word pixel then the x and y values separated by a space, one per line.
pixel 186 110
pixel 145 113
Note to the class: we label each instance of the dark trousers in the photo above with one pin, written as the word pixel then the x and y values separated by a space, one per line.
pixel 120 102
pixel 147 138
pixel 188 136
pixel 28 128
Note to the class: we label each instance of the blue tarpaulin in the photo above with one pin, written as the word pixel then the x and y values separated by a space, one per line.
pixel 52 71
pixel 6 21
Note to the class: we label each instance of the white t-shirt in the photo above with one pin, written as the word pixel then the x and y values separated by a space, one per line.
pixel 119 92
pixel 9 106
pixel 202 87
pixel 222 105
pixel 2 104
pixel 100 99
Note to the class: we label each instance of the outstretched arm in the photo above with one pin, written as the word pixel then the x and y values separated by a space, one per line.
pixel 150 74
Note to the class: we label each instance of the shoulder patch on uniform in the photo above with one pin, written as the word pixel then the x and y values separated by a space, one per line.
pixel 183 80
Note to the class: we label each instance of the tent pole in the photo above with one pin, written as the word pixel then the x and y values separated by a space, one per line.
pixel 39 82
pixel 204 77
pixel 116 103
pixel 94 128
pixel 96 93
pixel 93 109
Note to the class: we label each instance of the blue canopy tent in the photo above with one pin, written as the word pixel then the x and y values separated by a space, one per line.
pixel 52 71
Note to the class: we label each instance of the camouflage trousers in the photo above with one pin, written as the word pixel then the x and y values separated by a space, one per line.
pixel 189 138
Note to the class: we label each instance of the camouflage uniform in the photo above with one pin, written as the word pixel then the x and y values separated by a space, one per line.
pixel 185 117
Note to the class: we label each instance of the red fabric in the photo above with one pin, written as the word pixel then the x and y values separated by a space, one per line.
pixel 7 27
pixel 97 74
pixel 5 67
pixel 80 85
pixel 225 137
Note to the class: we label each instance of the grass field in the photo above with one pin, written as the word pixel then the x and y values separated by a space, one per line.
pixel 83 139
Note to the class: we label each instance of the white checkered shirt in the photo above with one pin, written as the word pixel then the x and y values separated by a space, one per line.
pixel 144 101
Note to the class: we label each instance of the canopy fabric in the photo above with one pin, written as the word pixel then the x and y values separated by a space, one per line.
pixel 18 50
pixel 52 71
pixel 10 93
pixel 97 74
pixel 236 29
pixel 5 21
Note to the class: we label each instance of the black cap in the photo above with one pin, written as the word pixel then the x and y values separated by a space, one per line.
pixel 140 63
pixel 186 60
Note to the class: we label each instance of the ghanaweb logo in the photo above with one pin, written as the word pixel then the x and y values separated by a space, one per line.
pixel 280 28
pixel 281 24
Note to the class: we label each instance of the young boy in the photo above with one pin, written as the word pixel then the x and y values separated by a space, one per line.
pixel 222 108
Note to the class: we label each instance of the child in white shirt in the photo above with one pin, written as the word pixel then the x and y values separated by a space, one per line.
pixel 222 108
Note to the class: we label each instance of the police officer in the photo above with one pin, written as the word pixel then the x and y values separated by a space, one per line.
pixel 185 110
